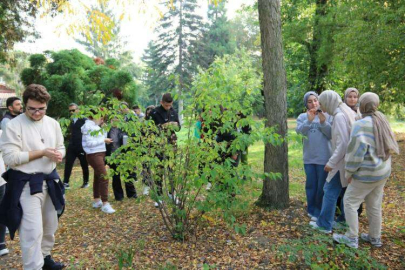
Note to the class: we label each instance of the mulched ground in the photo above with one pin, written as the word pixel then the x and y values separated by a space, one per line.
pixel 90 239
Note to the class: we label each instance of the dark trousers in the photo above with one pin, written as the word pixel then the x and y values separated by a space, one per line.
pixel 117 187
pixel 2 227
pixel 71 155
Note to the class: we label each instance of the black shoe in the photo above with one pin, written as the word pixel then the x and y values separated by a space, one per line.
pixel 85 185
pixel 66 185
pixel 50 264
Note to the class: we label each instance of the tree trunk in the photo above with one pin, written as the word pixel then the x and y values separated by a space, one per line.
pixel 275 192
pixel 317 72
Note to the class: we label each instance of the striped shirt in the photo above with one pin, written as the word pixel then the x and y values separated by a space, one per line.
pixel 362 162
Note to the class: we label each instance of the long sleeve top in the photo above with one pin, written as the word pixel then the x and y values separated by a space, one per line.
pixel 340 140
pixel 2 166
pixel 317 146
pixel 93 138
pixel 362 161
pixel 23 135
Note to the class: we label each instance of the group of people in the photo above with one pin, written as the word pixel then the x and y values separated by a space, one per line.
pixel 347 154
pixel 31 146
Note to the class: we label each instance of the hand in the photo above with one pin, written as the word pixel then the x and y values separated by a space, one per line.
pixel 322 117
pixel 311 114
pixel 108 140
pixel 59 157
pixel 52 154
pixel 328 169
pixel 349 180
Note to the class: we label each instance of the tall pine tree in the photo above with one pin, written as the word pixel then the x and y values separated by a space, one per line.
pixel 169 57
pixel 216 38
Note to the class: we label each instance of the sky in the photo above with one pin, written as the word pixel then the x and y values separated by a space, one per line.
pixel 137 30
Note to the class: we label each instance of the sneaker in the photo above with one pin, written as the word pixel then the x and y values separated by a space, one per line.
pixel 146 191
pixel 373 241
pixel 315 226
pixel 50 264
pixel 85 185
pixel 157 204
pixel 352 242
pixel 338 225
pixel 107 208
pixel 3 250
pixel 66 185
pixel 314 219
pixel 97 204
pixel 209 185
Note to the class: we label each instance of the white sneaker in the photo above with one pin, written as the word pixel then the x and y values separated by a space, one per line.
pixel 97 204
pixel 146 190
pixel 4 251
pixel 106 208
pixel 314 219
pixel 315 226
pixel 352 242
pixel 209 185
pixel 157 204
pixel 373 241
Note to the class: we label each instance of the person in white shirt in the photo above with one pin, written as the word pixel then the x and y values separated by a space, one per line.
pixel 93 141
pixel 32 145
pixel 3 247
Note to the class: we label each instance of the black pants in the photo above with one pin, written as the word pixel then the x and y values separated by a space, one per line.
pixel 2 227
pixel 117 187
pixel 71 154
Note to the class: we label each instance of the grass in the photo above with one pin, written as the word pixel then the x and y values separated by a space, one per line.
pixel 295 162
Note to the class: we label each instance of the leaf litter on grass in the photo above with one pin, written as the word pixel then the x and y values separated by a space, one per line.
pixel 90 239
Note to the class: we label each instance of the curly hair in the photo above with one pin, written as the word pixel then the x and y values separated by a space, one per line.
pixel 36 92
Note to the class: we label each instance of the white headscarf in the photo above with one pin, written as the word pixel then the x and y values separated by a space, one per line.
pixel 330 101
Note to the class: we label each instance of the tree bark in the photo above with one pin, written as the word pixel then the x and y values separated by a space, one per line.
pixel 275 192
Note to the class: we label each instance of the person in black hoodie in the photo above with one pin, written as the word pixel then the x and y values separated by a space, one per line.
pixel 117 137
pixel 167 120
pixel 75 149
pixel 14 107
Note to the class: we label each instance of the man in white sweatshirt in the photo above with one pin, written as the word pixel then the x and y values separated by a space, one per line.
pixel 32 145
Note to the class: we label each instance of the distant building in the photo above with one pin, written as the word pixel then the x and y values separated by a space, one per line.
pixel 5 93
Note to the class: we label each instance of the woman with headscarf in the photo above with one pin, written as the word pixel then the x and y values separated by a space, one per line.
pixel 316 127
pixel 343 118
pixel 368 166
pixel 351 99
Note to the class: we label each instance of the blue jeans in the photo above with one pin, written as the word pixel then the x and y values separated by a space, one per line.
pixel 331 191
pixel 316 177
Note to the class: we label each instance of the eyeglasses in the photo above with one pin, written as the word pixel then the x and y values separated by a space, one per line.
pixel 72 110
pixel 35 110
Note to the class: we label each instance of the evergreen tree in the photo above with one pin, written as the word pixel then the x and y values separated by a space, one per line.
pixel 216 38
pixel 156 76
pixel 171 53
